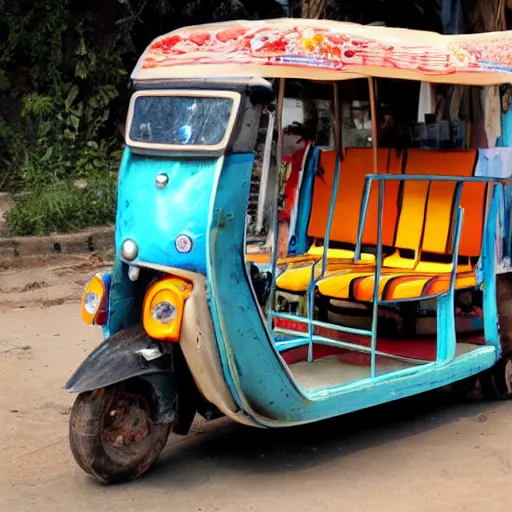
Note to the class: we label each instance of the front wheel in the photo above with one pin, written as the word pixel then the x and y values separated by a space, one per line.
pixel 112 435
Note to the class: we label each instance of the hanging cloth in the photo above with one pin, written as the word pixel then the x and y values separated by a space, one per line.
pixel 506 97
pixel 476 105
pixel 494 163
pixel 455 102
pixel 492 112
pixel 506 128
pixel 427 101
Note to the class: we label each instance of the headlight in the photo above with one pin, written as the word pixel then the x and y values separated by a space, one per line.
pixel 163 308
pixel 94 307
pixel 164 312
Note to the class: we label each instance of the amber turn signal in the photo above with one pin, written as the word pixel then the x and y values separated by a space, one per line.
pixel 94 299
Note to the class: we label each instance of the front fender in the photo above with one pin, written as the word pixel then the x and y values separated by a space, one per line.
pixel 116 360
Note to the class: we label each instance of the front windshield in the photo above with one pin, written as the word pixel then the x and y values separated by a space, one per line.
pixel 180 120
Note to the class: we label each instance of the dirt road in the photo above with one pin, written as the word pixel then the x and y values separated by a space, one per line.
pixel 424 454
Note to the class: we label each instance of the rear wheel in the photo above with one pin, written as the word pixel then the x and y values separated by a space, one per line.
pixel 496 382
pixel 112 435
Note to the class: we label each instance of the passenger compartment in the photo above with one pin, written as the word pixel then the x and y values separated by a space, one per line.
pixel 421 264
pixel 418 227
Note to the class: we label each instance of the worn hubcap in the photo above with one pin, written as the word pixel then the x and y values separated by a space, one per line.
pixel 126 421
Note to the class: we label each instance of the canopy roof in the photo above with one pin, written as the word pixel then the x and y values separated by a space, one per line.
pixel 326 50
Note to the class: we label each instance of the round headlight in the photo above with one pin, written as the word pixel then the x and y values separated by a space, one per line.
pixel 164 312
pixel 91 302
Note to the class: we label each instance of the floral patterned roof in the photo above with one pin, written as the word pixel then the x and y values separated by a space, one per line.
pixel 326 50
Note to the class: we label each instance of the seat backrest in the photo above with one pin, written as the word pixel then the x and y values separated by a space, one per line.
pixel 356 164
pixel 474 202
pixel 391 202
pixel 427 214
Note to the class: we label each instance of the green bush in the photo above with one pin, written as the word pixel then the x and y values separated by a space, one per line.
pixel 64 207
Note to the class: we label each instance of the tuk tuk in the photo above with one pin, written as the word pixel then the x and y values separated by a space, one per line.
pixel 388 284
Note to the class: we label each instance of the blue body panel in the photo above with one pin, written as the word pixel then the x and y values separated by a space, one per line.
pixel 155 217
pixel 305 203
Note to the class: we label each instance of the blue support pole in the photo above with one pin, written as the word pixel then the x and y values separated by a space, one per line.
pixel 378 267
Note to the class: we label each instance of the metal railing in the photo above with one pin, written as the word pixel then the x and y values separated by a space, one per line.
pixel 495 208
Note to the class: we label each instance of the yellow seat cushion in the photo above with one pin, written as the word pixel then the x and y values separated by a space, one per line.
pixel 393 285
pixel 342 254
pixel 395 261
pixel 297 276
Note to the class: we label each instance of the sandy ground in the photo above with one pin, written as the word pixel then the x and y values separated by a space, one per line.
pixel 423 454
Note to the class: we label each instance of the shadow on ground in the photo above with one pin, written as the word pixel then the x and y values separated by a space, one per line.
pixel 224 447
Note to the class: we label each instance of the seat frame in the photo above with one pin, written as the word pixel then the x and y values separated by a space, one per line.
pixel 486 273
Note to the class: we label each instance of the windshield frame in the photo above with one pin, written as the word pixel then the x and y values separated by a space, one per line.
pixel 189 93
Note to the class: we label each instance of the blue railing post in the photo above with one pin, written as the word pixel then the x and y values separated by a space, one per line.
pixel 332 207
pixel 362 217
pixel 488 265
pixel 311 307
pixel 446 345
pixel 446 329
pixel 378 265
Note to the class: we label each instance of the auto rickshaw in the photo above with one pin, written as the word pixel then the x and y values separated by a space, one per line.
pixel 389 284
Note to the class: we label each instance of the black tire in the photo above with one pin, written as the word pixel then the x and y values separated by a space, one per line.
pixel 496 381
pixel 100 441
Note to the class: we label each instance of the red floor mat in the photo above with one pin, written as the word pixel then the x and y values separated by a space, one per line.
pixel 419 348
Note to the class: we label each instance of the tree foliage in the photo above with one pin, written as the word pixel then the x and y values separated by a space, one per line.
pixel 64 79
pixel 64 67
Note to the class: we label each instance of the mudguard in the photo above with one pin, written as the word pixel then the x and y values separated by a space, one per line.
pixel 115 360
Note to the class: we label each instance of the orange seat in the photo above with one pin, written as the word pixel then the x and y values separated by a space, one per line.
pixel 356 164
pixel 427 215
pixel 424 228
